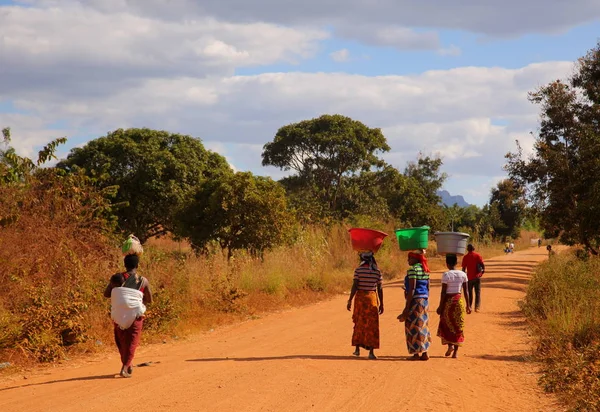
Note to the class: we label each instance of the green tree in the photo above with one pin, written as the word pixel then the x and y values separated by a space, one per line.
pixel 240 211
pixel 15 168
pixel 562 174
pixel 322 152
pixel 156 172
pixel 507 198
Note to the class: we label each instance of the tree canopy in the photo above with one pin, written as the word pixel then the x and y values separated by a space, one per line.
pixel 324 150
pixel 562 173
pixel 240 211
pixel 507 199
pixel 156 172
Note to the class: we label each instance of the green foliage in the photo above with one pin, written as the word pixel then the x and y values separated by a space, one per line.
pixel 14 168
pixel 507 200
pixel 322 152
pixel 156 173
pixel 241 211
pixel 562 173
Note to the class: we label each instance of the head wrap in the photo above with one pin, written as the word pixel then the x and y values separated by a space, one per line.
pixel 421 259
pixel 368 258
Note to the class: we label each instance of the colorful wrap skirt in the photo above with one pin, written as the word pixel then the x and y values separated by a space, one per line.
pixel 416 326
pixel 452 321
pixel 366 320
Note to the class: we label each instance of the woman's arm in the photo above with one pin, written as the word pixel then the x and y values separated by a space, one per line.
pixel 443 298
pixel 412 285
pixel 107 291
pixel 465 289
pixel 352 293
pixel 147 293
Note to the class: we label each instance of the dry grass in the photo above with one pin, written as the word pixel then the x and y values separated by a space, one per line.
pixel 54 265
pixel 562 303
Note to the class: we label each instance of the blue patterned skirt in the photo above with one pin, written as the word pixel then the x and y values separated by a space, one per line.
pixel 416 326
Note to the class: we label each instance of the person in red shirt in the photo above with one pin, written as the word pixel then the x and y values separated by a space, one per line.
pixel 472 263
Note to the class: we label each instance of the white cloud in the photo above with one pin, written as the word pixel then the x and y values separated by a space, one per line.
pixel 342 55
pixel 451 112
pixel 88 51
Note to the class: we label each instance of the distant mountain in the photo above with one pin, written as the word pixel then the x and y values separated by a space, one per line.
pixel 449 200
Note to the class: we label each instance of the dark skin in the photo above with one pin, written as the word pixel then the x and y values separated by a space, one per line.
pixel 409 294
pixel 349 307
pixel 126 372
pixel 147 292
pixel 453 349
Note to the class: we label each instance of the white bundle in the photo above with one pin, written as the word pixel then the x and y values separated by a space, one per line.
pixel 132 246
pixel 126 306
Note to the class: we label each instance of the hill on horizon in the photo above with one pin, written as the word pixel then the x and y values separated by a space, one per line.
pixel 449 200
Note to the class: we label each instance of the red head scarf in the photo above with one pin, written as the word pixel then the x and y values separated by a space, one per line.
pixel 422 260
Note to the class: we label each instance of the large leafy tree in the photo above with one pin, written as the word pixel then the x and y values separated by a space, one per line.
pixel 240 211
pixel 507 199
pixel 562 173
pixel 156 172
pixel 323 152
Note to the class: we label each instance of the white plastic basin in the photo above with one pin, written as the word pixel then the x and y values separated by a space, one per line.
pixel 451 243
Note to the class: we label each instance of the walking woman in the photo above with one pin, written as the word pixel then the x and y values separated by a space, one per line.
pixel 416 311
pixel 367 294
pixel 126 290
pixel 453 307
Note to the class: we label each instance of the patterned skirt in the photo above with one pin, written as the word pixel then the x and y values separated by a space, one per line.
pixel 366 320
pixel 416 326
pixel 452 321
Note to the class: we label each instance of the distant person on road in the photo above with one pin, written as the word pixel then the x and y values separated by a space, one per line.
pixel 539 242
pixel 367 293
pixel 550 251
pixel 511 247
pixel 472 264
pixel 416 311
pixel 453 307
pixel 133 288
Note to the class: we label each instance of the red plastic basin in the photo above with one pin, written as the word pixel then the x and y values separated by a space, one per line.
pixel 366 239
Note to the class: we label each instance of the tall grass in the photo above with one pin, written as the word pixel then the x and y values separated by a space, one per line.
pixel 562 303
pixel 56 258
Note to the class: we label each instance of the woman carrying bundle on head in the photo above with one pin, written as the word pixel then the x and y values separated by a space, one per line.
pixel 453 307
pixel 129 293
pixel 367 294
pixel 416 311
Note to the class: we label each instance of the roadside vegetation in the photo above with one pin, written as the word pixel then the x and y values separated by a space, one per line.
pixel 219 245
pixel 560 180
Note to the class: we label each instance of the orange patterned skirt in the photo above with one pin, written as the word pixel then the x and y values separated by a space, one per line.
pixel 366 320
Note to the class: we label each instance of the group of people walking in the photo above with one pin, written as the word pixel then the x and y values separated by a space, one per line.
pixel 456 301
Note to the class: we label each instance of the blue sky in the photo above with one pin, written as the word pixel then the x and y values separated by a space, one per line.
pixel 455 83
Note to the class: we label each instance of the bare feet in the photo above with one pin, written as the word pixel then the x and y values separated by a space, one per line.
pixel 424 356
pixel 124 373
pixel 372 355
pixel 415 357
pixel 356 352
pixel 455 353
pixel 449 351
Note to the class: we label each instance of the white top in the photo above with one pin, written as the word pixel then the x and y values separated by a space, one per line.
pixel 454 279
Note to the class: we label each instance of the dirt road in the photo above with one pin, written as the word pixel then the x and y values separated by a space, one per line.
pixel 300 360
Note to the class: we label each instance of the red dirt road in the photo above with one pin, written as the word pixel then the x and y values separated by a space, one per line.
pixel 300 360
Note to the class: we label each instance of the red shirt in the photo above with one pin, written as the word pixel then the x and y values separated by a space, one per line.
pixel 469 262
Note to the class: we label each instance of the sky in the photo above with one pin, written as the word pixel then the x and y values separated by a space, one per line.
pixel 439 77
